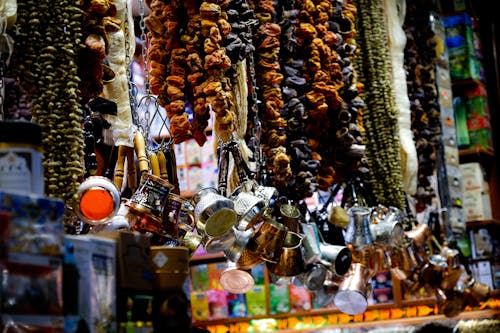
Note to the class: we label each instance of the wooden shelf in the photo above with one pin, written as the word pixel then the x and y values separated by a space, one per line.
pixel 462 84
pixel 482 223
pixel 348 321
pixel 475 154
pixel 207 258
pixel 483 156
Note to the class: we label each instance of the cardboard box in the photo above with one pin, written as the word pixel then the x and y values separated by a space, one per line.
pixel 472 177
pixel 257 300
pixel 237 305
pixel 483 273
pixel 92 262
pixel 477 205
pixel 35 224
pixel 481 244
pixel 133 266
pixel 300 298
pixel 464 55
pixel 199 305
pixel 199 277
pixel 481 138
pixel 217 304
pixel 279 298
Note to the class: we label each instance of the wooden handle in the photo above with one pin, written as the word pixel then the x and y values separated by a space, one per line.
pixel 155 165
pixel 162 161
pixel 131 170
pixel 120 167
pixel 140 150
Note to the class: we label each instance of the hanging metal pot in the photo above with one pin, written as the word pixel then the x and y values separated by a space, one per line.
pixel 214 214
pixel 268 240
pixel 291 260
pixel 354 289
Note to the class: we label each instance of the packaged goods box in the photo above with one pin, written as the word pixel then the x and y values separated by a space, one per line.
pixel 89 278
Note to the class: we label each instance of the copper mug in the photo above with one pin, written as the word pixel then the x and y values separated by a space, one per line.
pixel 291 260
pixel 248 259
pixel 433 271
pixel 214 214
pixel 268 240
pixel 476 291
pixel 325 295
pixel 354 289
pixel 419 235
pixel 176 218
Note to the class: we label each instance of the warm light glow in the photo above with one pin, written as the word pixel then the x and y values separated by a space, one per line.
pixel 96 204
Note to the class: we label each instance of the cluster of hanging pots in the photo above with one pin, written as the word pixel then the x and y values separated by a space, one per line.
pixel 252 226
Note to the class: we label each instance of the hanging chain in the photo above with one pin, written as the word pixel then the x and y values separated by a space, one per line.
pixel 147 97
pixel 132 89
pixel 256 130
pixel 2 88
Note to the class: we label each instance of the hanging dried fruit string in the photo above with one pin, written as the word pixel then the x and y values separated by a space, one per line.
pixel 47 45
pixel 425 114
pixel 193 41
pixel 217 87
pixel 304 168
pixel 380 114
pixel 269 79
pixel 323 73
pixel 167 58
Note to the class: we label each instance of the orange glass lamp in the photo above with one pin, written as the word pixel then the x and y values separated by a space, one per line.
pixel 98 200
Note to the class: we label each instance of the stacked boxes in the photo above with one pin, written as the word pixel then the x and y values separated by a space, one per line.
pixel 478 118
pixel 31 261
pixel 476 196
pixel 464 47
pixel 450 142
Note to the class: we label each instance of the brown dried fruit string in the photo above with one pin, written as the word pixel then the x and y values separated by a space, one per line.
pixel 269 79
pixel 324 76
pixel 217 86
pixel 194 44
pixel 167 58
